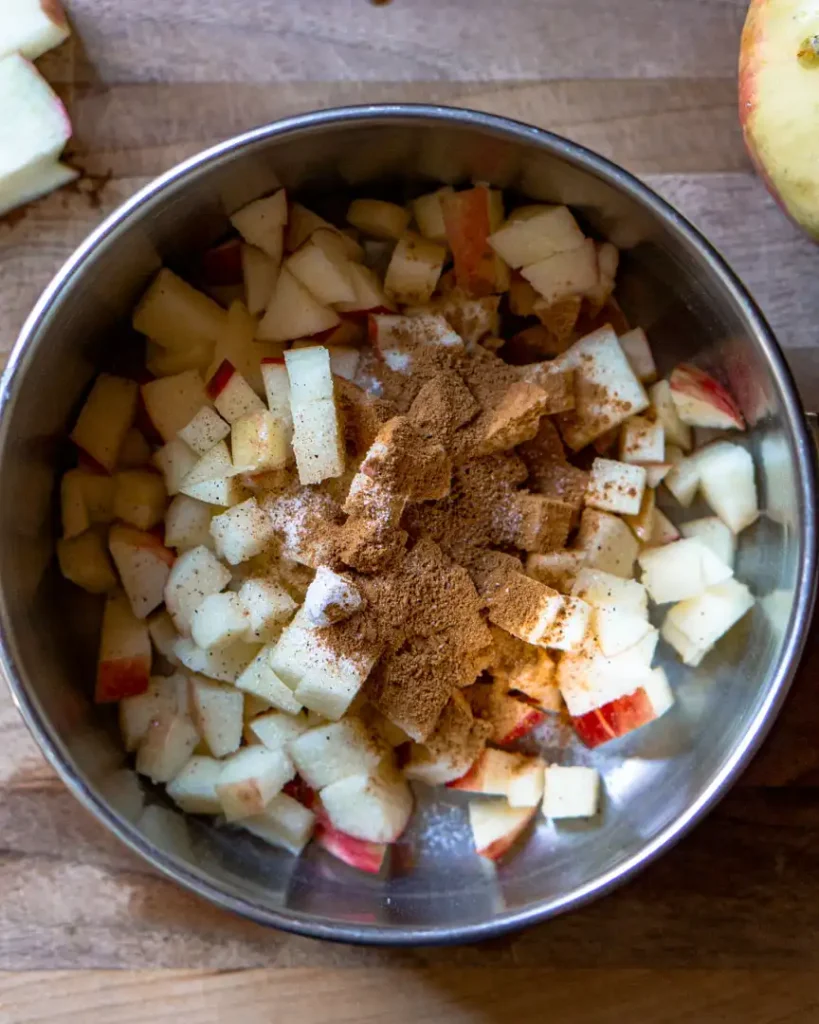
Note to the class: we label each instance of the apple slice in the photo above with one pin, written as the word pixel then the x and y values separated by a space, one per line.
pixel 293 312
pixel 250 779
pixel 702 620
pixel 664 411
pixel 470 217
pixel 139 498
pixel 615 487
pixel 681 570
pixel 702 401
pixel 106 418
pixel 543 232
pixel 259 272
pixel 136 713
pixel 174 460
pixel 284 822
pixel 607 543
pixel 34 129
pixel 84 561
pixel 626 713
pixel 144 565
pixel 375 808
pixel 267 606
pixel 262 223
pixel 194 575
pixel 378 218
pixel 564 274
pixel 496 826
pixel 715 535
pixel 325 277
pixel 178 316
pixel 638 352
pixel 205 430
pixel 32 27
pixel 167 746
pixel 187 524
pixel 414 269
pixel 193 789
pixel 171 402
pixel 429 214
pixel 571 792
pixel 218 620
pixel 216 711
pixel 124 663
pixel 260 679
pixel 726 475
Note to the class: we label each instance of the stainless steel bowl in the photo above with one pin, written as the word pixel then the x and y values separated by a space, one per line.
pixel 657 782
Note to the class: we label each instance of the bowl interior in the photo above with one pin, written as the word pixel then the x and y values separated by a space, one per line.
pixel 654 781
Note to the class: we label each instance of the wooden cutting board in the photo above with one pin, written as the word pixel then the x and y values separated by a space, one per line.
pixel 724 928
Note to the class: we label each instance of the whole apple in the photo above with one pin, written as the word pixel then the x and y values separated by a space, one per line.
pixel 779 102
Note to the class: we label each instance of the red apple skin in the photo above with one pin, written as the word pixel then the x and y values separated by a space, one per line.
pixel 222 265
pixel 272 359
pixel 367 857
pixel 691 380
pixel 501 846
pixel 349 332
pixel 220 380
pixel 125 677
pixel 614 719
pixel 298 789
pixel 148 540
pixel 466 220
pixel 514 720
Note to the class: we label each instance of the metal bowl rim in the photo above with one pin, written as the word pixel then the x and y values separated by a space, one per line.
pixel 199 882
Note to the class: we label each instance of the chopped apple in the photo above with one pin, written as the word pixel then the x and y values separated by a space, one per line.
pixel 167 746
pixel 168 362
pixel 213 479
pixel 260 441
pixel 250 779
pixel 106 418
pixel 218 620
pixel 178 316
pixel 642 440
pixel 715 535
pixel 174 461
pixel 276 730
pixel 429 214
pixel 414 269
pixel 33 26
pixel 556 569
pixel 194 788
pixel 604 589
pixel 217 710
pixel 663 531
pixel 144 565
pixel 262 223
pixel 267 606
pixel 331 597
pixel 375 808
pixel 325 277
pixel 616 629
pixel 241 532
pixel 163 635
pixel 369 295
pixel 571 792
pixel 726 474
pixel 452 746
pixel 284 822
pixel 615 487
pixel 223 663
pixel 702 620
pixel 231 393
pixel 607 542
pixel 139 497
pixel 293 312
pixel 357 853
pixel 85 562
pixel 378 218
pixel 656 472
pixel 32 182
pixel 681 570
pixel 336 751
pixel 683 479
pixel 303 224
pixel 573 272
pixel 470 217
pixel 638 352
pixel 195 574
pixel 664 411
pixel 511 719
pixel 136 713
pixel 187 524
pixel 702 401
pixel 205 430
pixel 608 259
pixel 260 679
pixel 496 826
pixel 259 273
pixel 318 440
pixel 589 680
pixel 86 498
pixel 544 232
pixel 277 390
pixel 496 772
pixel 124 663
pixel 643 522
pixel 171 402
pixel 607 392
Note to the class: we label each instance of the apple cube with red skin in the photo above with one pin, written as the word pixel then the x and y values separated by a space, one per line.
pixel 194 575
pixel 627 713
pixel 217 712
pixel 144 565
pixel 84 561
pixel 124 662
pixel 293 312
pixel 470 217
pixel 284 822
pixel 496 772
pixel 105 419
pixel 571 792
pixel 194 788
pixel 375 808
pixel 378 218
pixel 231 393
pixel 167 746
pixel 702 401
pixel 496 826
pixel 262 223
pixel 33 26
pixel 356 853
pixel 178 316
pixel 250 779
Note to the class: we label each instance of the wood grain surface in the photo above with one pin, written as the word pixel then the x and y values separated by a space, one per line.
pixel 725 927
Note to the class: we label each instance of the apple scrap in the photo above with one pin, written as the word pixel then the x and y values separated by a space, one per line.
pixel 311 428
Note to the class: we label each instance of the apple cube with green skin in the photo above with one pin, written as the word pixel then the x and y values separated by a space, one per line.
pixel 284 822
pixel 375 808
pixel 84 561
pixel 638 352
pixel 664 412
pixel 167 746
pixel 194 788
pixel 726 477
pixel 124 662
pixel 261 679
pixel 174 460
pixel 260 441
pixel 693 626
pixel 571 792
pixel 267 605
pixel 217 712
pixel 136 713
pixel 276 730
pixel 194 575
pixel 178 316
pixel 715 535
pixel 250 779
pixel 33 132
pixel 607 542
pixel 231 393
pixel 218 620
pixel 543 232
pixel 293 312
pixel 623 714
pixel 187 524
pixel 414 269
pixel 335 751
pixel 144 565
pixel 106 418
pixel 262 223
pixel 496 826
pixel 681 570
pixel 205 430
pixel 702 401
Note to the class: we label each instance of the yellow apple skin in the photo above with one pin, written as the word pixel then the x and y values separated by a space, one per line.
pixel 779 102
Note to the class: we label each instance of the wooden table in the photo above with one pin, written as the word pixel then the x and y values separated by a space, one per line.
pixel 725 927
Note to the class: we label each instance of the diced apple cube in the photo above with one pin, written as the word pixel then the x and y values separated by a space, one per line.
pixel 250 779
pixel 194 788
pixel 324 277
pixel 262 222
pixel 615 487
pixel 163 635
pixel 715 535
pixel 267 606
pixel 231 393
pixel 85 562
pixel 167 746
pixel 277 389
pixel 318 442
pixel 293 312
pixel 176 315
pixel 218 620
pixel 215 464
pixel 241 532
pixel 496 826
pixel 414 269
pixel 556 569
pixel 449 751
pixel 571 792
pixel 144 565
pixel 259 273
pixel 545 232
pixel 168 362
pixel 139 498
pixel 572 272
pixel 638 352
pixel 607 542
pixel 73 510
pixel 276 730
pixel 331 597
pixel 663 531
pixel 429 215
pixel 643 522
pixel 171 402
pixel 616 629
pixel 374 808
pixel 470 217
pixel 205 430
pixel 642 440
pixel 369 295
pixel 681 570
pixel 603 589
pixel 284 822
pixel 174 460
pixel 260 442
pixel 106 418
pixel 135 452
pixel 217 713
pixel 335 751
pixel 260 679
pixel 683 479
pixel 124 662
pixel 726 473
pixel 195 574
pixel 378 218
pixel 136 713
pixel 664 411
pixel 303 224
pixel 33 27
pixel 187 524
pixel 496 772
pixel 702 620
pixel 702 401
pixel 224 663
